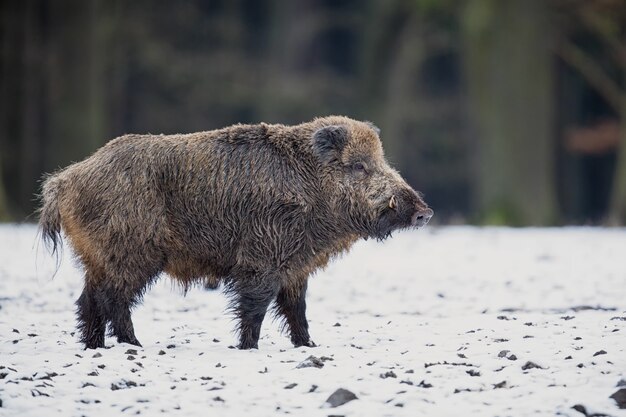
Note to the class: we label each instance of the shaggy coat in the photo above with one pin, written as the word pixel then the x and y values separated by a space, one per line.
pixel 256 208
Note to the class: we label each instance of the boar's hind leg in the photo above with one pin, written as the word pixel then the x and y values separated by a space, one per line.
pixel 291 305
pixel 118 312
pixel 253 296
pixel 91 320
pixel 118 304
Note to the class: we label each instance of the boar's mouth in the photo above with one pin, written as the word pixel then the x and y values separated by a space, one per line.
pixel 412 213
pixel 389 221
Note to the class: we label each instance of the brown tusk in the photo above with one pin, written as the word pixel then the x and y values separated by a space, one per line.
pixel 392 202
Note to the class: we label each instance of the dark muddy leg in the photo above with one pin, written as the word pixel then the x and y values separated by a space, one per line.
pixel 291 304
pixel 121 323
pixel 118 305
pixel 253 297
pixel 91 319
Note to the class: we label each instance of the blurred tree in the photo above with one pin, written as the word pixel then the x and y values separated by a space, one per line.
pixel 509 70
pixel 606 21
pixel 4 211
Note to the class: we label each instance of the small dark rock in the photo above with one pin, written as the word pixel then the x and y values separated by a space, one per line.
pixel 97 355
pixel 290 386
pixel 566 318
pixel 130 358
pixel 3 375
pixel 500 385
pixel 512 358
pixel 388 374
pixel 88 384
pixel 620 383
pixel 340 397
pixel 568 357
pixel 94 373
pixel 49 375
pixel 530 365
pixel 503 353
pixel 123 384
pixel 313 388
pixel 600 352
pixel 131 352
pixel 161 352
pixel 473 372
pixel 206 378
pixel 581 409
pixel 424 384
pixel 171 346
pixel 311 362
pixel 16 331
pixel 337 325
pixel 220 399
pixel 216 340
pixel 620 397
pixel 37 393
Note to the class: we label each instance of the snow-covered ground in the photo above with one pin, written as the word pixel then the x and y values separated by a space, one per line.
pixel 453 321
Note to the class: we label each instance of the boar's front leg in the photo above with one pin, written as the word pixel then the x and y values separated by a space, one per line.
pixel 253 295
pixel 291 304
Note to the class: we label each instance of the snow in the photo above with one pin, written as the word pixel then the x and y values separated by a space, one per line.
pixel 432 322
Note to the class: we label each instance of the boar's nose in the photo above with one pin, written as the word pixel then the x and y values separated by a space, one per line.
pixel 421 217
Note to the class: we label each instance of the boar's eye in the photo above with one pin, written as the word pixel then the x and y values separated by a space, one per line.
pixel 360 167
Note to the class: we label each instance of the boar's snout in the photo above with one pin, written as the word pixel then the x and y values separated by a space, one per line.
pixel 410 206
pixel 403 209
pixel 421 217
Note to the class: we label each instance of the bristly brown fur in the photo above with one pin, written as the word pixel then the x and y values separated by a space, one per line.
pixel 257 208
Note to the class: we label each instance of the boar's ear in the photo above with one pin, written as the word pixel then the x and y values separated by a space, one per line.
pixel 329 141
pixel 373 127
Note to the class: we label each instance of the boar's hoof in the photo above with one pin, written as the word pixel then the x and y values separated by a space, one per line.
pixel 247 345
pixel 308 343
pixel 129 340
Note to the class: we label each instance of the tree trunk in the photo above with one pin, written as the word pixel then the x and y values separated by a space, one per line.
pixel 4 211
pixel 32 112
pixel 617 209
pixel 510 88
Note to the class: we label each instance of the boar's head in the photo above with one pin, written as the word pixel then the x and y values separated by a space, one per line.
pixel 370 196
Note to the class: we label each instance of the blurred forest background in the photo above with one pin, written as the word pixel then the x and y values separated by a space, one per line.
pixel 500 111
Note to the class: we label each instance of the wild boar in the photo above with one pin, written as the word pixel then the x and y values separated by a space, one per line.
pixel 256 208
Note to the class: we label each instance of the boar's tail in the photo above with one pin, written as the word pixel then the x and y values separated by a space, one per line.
pixel 49 215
